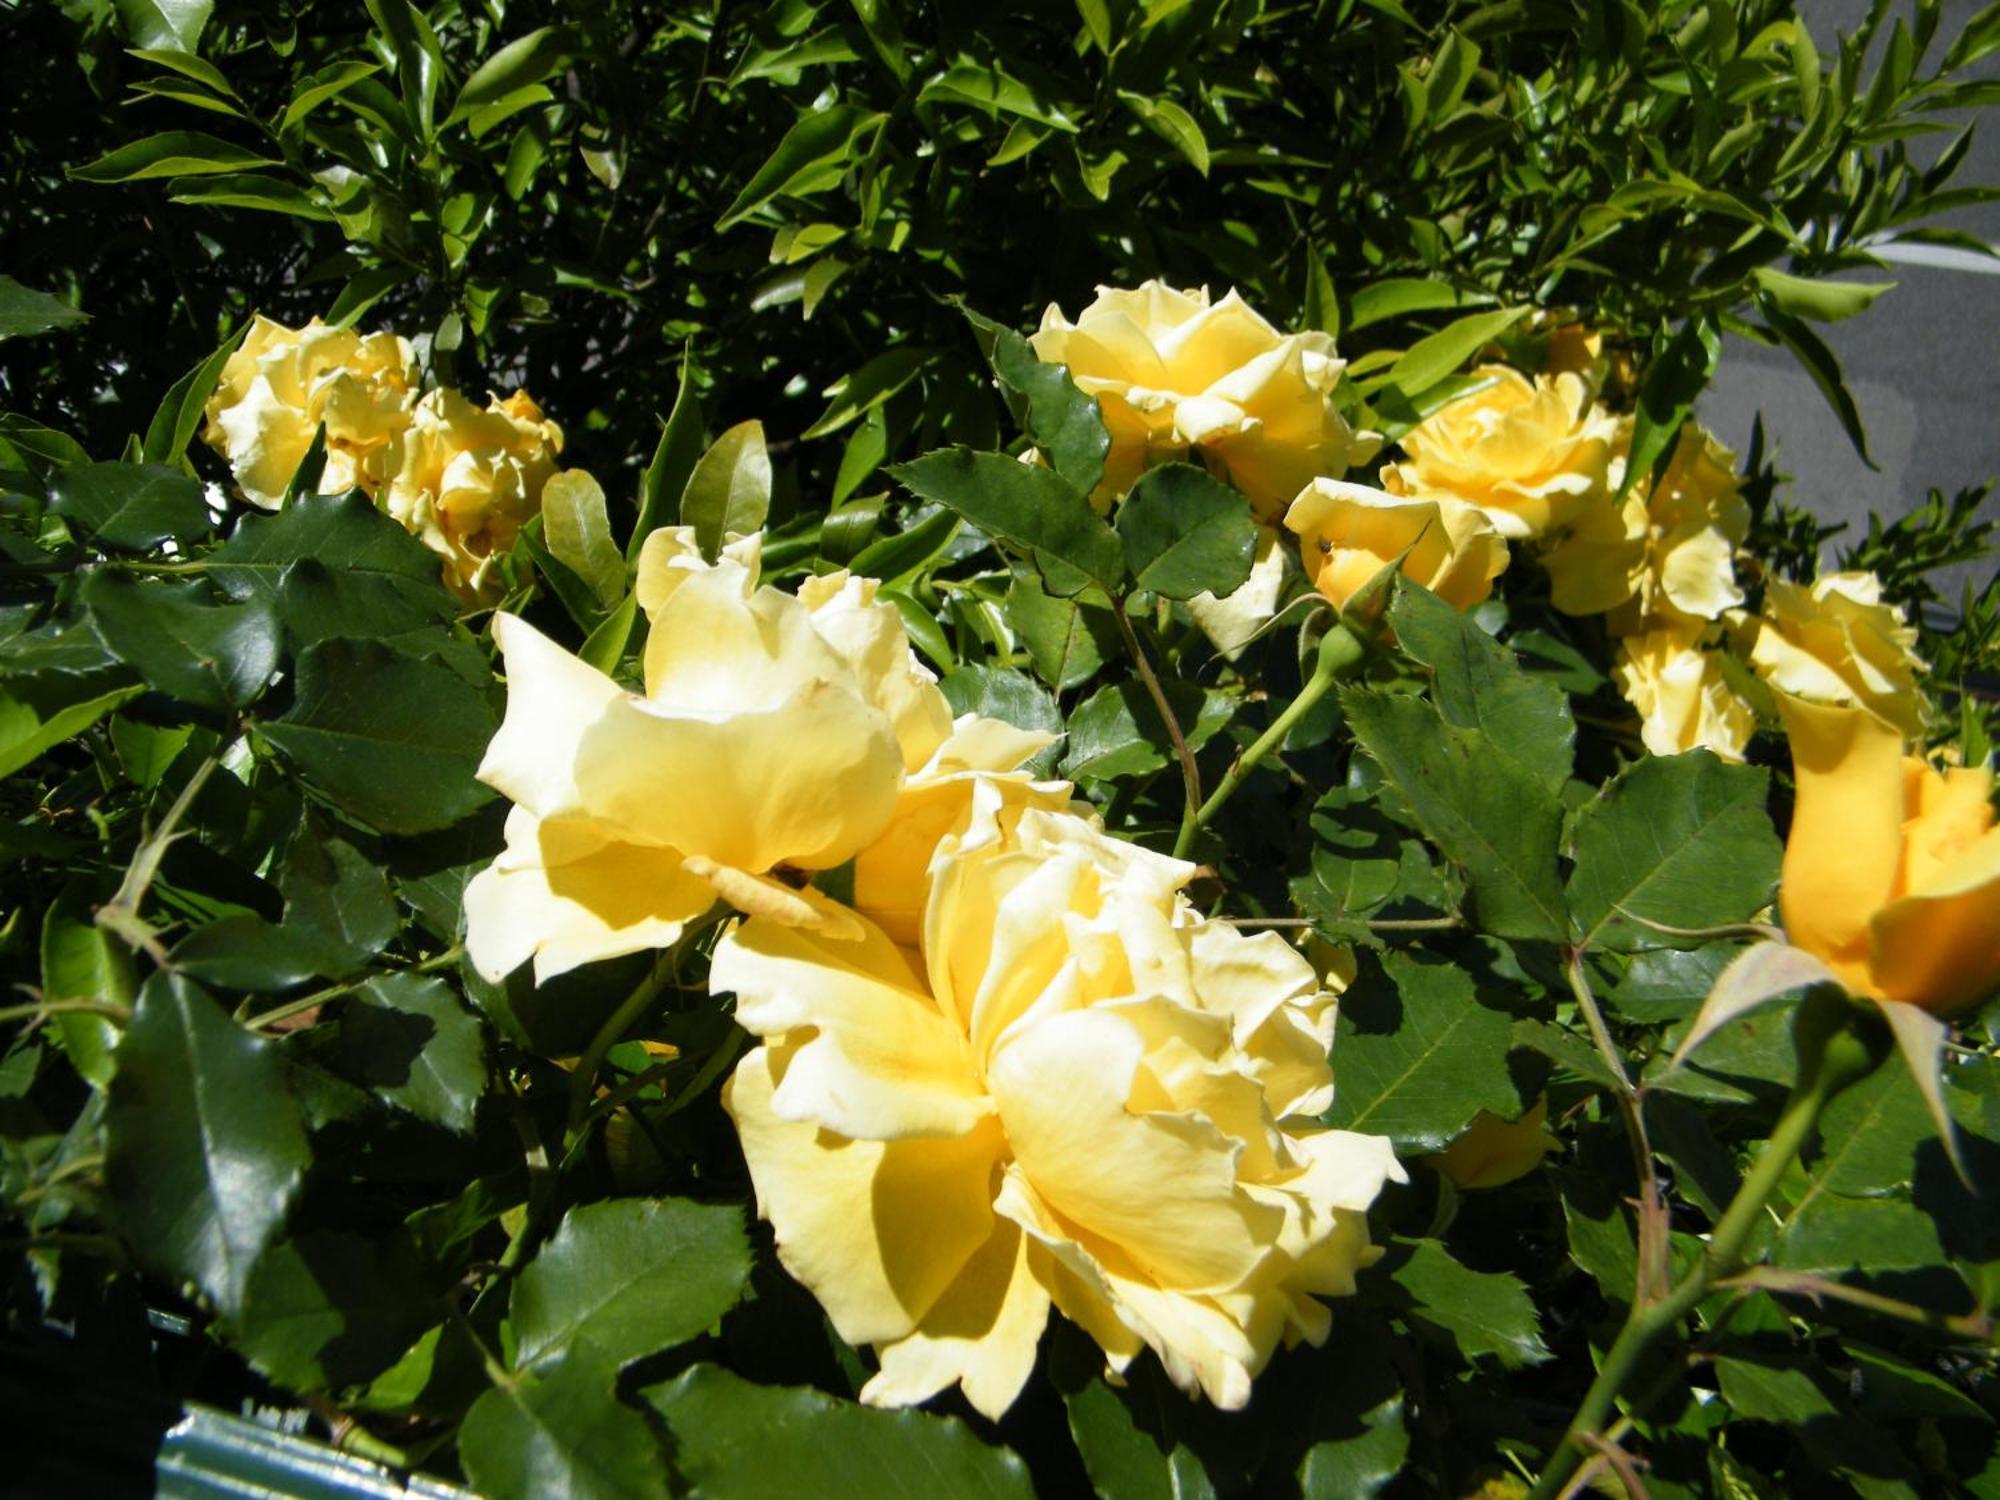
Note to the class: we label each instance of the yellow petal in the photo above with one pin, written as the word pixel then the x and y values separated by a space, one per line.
pixel 1493 1152
pixel 1230 622
pixel 979 1335
pixel 877 1230
pixel 565 902
pixel 553 699
pixel 1939 947
pixel 1846 840
pixel 1160 1186
pixel 867 633
pixel 881 1063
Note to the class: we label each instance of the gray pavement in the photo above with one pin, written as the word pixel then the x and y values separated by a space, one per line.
pixel 1921 362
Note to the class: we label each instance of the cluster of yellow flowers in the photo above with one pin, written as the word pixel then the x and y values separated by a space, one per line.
pixel 1003 1064
pixel 461 478
pixel 1012 1069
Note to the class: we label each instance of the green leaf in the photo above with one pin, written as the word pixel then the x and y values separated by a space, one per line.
pixel 729 491
pixel 1823 366
pixel 1822 300
pixel 181 409
pixel 257 190
pixel 1117 731
pixel 406 1038
pixel 561 1431
pixel 172 153
pixel 1434 357
pixel 860 391
pixel 1483 1312
pixel 81 961
pixel 313 90
pixel 156 24
pixel 25 312
pixel 1833 1234
pixel 1060 420
pixel 525 60
pixel 1172 124
pixel 1681 840
pixel 245 952
pixel 338 894
pixel 1066 639
pixel 1496 821
pixel 204 1147
pixel 333 565
pixel 29 730
pixel 1477 684
pixel 130 507
pixel 387 738
pixel 1399 296
pixel 217 656
pixel 811 157
pixel 630 1276
pixel 333 1308
pixel 1353 1468
pixel 1034 508
pixel 1004 694
pixel 1870 1135
pixel 1419 1055
pixel 906 552
pixel 577 529
pixel 1185 533
pixel 989 87
pixel 1667 394
pixel 674 457
pixel 736 1441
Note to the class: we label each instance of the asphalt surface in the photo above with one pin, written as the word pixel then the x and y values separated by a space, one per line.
pixel 1920 362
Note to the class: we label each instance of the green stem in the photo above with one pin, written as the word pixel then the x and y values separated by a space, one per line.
pixel 1340 650
pixel 1832 1053
pixel 583 1081
pixel 1190 773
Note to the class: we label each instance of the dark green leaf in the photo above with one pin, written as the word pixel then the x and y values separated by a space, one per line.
pixel 407 1038
pixel 216 656
pixel 204 1147
pixel 385 737
pixel 1681 840
pixel 1032 507
pixel 1185 533
pixel 894 557
pixel 181 409
pixel 29 730
pixel 24 312
pixel 631 1277
pixel 1484 1312
pixel 385 581
pixel 1496 821
pixel 738 1441
pixel 561 1431
pixel 1477 684
pixel 1419 1056
pixel 1823 366
pixel 525 60
pixel 81 961
pixel 1673 381
pixel 1432 358
pixel 1060 420
pixel 1353 1468
pixel 674 457
pixel 1066 639
pixel 159 24
pixel 1004 694
pixel 332 1308
pixel 130 507
pixel 1118 732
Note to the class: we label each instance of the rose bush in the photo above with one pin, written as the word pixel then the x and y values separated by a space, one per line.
pixel 882 889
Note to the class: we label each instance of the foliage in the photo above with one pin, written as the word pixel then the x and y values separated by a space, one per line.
pixel 770 266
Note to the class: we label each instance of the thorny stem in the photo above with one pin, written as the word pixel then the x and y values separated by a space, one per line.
pixel 121 913
pixel 1190 775
pixel 1340 651
pixel 1833 1052
pixel 1651 1215
pixel 111 1010
pixel 1978 1327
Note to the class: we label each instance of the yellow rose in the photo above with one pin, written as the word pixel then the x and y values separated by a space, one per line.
pixel 1837 642
pixel 282 383
pixel 1683 696
pixel 1892 869
pixel 470 479
pixel 775 734
pixel 1348 533
pixel 1494 1152
pixel 1531 454
pixel 1175 374
pixel 1079 1093
pixel 1671 546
